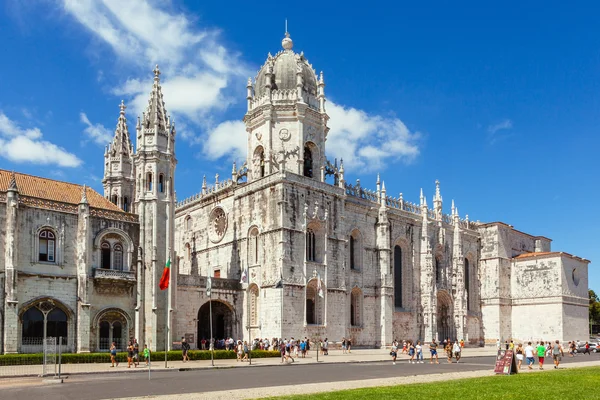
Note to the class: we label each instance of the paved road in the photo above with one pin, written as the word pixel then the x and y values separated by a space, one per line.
pixel 96 387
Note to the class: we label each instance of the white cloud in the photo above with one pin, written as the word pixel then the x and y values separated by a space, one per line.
pixel 96 132
pixel 366 141
pixel 25 145
pixel 197 69
pixel 227 138
pixel 494 131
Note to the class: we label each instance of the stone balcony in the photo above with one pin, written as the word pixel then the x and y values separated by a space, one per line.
pixel 114 275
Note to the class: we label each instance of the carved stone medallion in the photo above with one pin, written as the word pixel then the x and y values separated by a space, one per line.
pixel 218 224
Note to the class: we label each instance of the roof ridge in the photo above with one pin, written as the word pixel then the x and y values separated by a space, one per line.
pixel 41 177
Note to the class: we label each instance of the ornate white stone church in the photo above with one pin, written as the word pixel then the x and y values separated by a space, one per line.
pixel 293 249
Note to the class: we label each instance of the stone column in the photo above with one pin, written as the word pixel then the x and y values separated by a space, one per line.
pixel 458 282
pixel 11 318
pixel 387 290
pixel 428 289
pixel 83 249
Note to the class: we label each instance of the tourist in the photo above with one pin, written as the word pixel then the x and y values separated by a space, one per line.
pixel 404 348
pixel 203 344
pixel 113 355
pixel 307 344
pixel 433 350
pixel 136 353
pixel 185 347
pixel 246 351
pixel 146 354
pixel 282 351
pixel 587 349
pixel 541 352
pixel 129 354
pixel 529 355
pixel 572 349
pixel 448 350
pixel 326 347
pixel 394 351
pixel 511 346
pixel 456 350
pixel 506 345
pixel 343 345
pixel 303 348
pixel 411 352
pixel 349 344
pixel 419 350
pixel 462 343
pixel 239 350
pixel 519 353
pixel 557 352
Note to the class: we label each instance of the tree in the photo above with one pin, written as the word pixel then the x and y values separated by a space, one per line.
pixel 594 307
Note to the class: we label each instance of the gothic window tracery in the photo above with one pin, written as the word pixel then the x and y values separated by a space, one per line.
pixel 47 246
pixel 355 250
pixel 111 255
pixel 311 253
pixel 253 305
pixel 118 257
pixel 253 247
pixel 315 303
pixel 188 223
pixel 43 319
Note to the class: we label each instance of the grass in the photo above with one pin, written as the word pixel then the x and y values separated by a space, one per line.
pixel 576 383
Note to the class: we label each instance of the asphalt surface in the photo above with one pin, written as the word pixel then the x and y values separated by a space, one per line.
pixel 120 385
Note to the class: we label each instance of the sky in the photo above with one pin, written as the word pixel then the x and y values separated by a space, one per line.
pixel 499 102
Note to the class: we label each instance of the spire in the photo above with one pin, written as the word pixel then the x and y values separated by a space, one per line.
pixel 287 42
pixel 155 113
pixel 121 142
pixel 453 208
pixel 422 198
pixel 84 199
pixel 12 186
pixel 437 201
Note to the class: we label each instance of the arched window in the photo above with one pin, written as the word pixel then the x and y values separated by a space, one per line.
pixel 262 164
pixel 105 255
pixel 117 334
pixel 126 204
pixel 47 246
pixel 311 252
pixel 56 324
pixel 397 276
pixel 114 199
pixel 33 325
pixel 355 307
pixel 308 162
pixel 104 343
pixel 161 183
pixel 253 247
pixel 149 181
pixel 467 283
pixel 188 252
pixel 355 250
pixel 41 318
pixel 188 223
pixel 118 257
pixel 352 260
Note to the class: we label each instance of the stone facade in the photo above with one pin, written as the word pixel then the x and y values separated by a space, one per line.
pixel 291 248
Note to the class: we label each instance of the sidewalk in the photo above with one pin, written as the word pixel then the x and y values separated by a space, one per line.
pixel 335 356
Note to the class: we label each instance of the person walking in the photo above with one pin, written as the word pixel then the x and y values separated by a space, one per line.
pixel 246 351
pixel 433 350
pixel 404 348
pixel 185 347
pixel 343 345
pixel 541 352
pixel 411 352
pixel 419 350
pixel 394 352
pixel 557 352
pixel 529 350
pixel 113 355
pixel 456 350
pixel 129 354
pixel 349 344
pixel 586 349
pixel 136 353
pixel 146 354
pixel 326 347
pixel 282 351
pixel 448 350
pixel 519 353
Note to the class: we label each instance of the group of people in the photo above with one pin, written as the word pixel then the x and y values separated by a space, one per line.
pixel 541 351
pixel 415 350
pixel 133 354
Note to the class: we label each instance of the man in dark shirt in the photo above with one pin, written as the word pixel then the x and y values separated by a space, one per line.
pixel 433 350
pixel 136 353
pixel 185 347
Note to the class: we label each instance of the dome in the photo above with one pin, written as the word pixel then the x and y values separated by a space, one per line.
pixel 285 66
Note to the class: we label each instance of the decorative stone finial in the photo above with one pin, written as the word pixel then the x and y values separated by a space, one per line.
pixel 156 72
pixel 204 186
pixel 122 106
pixel 287 42
pixel 453 208
pixel 12 186
pixel 84 199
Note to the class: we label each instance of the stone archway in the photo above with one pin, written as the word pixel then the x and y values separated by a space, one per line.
pixel 222 320
pixel 444 316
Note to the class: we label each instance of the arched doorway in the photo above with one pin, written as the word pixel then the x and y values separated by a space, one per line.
pixel 445 322
pixel 113 325
pixel 222 320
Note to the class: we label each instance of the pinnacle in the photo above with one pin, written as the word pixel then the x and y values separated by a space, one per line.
pixel 13 182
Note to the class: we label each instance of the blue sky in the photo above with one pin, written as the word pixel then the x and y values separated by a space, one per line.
pixel 499 102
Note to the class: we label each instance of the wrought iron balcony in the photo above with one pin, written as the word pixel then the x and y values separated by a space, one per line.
pixel 113 274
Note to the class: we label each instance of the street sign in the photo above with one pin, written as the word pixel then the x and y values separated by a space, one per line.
pixel 505 363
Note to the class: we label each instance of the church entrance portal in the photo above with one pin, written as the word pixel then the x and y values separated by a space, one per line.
pixel 222 319
pixel 445 324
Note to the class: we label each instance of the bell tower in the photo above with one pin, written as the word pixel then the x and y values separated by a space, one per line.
pixel 286 115
pixel 155 205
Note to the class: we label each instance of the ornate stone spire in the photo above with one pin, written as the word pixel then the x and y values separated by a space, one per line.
pixel 12 186
pixel 155 113
pixel 121 142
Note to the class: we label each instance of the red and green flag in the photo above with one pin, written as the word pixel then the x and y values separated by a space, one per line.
pixel 164 280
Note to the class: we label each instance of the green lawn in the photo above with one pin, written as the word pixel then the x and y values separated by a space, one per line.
pixel 576 383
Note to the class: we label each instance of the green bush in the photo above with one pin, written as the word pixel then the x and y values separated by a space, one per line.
pixel 87 358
